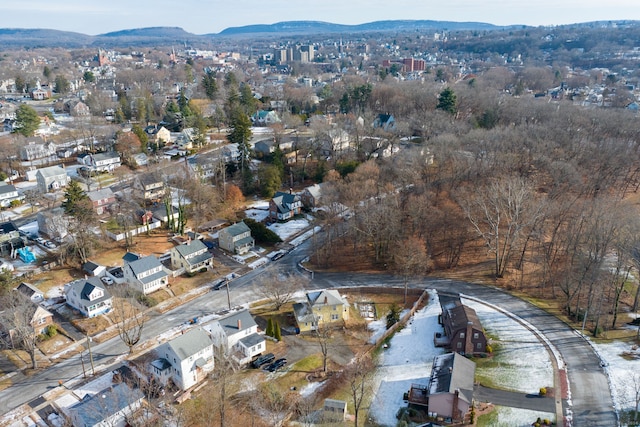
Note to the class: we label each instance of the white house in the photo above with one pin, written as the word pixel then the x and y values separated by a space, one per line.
pixel 103 162
pixel 185 360
pixel 237 333
pixel 88 296
pixel 145 274
pixel 8 194
pixel 51 178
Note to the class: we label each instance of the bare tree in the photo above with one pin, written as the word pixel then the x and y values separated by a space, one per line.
pixel 500 213
pixel 280 289
pixel 129 318
pixel 359 376
pixel 226 386
pixel 17 318
pixel 324 336
pixel 410 259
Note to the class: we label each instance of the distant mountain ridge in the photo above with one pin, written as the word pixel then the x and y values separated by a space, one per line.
pixel 34 37
pixel 310 27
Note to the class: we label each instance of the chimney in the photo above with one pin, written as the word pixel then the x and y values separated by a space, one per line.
pixel 239 324
pixel 468 344
pixel 454 406
pixel 290 190
pixel 325 299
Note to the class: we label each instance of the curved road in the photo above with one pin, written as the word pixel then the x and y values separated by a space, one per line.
pixel 592 404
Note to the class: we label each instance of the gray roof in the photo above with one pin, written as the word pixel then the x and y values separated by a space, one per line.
pixel 451 372
pixel 130 257
pixel 230 322
pixel 161 364
pixel 149 179
pixel 303 312
pixel 237 229
pixel 325 297
pixel 190 343
pixel 105 156
pixel 199 258
pixel 28 289
pixel 94 409
pixel 52 171
pixel 190 248
pixel 251 340
pixel 144 264
pixel 6 188
pixel 105 193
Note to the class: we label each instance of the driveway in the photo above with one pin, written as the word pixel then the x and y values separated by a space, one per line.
pixel 513 399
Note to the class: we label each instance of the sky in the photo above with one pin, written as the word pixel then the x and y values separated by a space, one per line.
pixel 212 16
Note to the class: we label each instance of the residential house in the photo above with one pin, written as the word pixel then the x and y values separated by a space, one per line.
pixel 449 393
pixel 237 334
pixel 80 110
pixel 205 166
pixel 40 318
pixel 10 239
pixel 34 150
pixel 311 195
pixel 236 238
pixel 264 118
pixel 335 141
pixel 88 296
pixel 265 147
pixel 184 140
pixel 284 206
pixel 158 135
pixel 231 153
pixel 101 199
pixel 8 194
pixel 51 178
pixel 324 307
pixel 53 222
pixel 463 332
pixel 192 256
pixel 104 162
pixel 185 360
pixel 149 187
pixel 145 274
pixel 140 159
pixel 31 292
pixel 163 216
pixel 109 407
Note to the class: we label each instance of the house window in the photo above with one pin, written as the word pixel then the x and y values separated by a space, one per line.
pixel 476 335
pixel 334 317
pixel 459 345
pixel 479 346
pixel 461 334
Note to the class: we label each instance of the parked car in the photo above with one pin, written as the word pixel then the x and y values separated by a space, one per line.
pixel 263 360
pixel 106 280
pixel 277 365
pixel 49 244
pixel 219 284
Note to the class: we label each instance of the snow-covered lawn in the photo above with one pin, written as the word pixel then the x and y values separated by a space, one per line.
pixel 503 416
pixel 289 228
pixel 622 365
pixel 521 362
pixel 256 214
pixel 524 364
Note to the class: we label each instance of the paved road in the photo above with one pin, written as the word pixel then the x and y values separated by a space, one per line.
pixel 513 399
pixel 592 402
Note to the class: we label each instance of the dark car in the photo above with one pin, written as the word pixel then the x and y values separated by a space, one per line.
pixel 262 360
pixel 219 284
pixel 277 365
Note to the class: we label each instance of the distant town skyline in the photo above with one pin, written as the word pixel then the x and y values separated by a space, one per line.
pixel 202 17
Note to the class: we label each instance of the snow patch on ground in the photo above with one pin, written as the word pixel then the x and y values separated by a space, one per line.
pixel 621 362
pixel 258 215
pixel 515 417
pixel 310 388
pixel 289 228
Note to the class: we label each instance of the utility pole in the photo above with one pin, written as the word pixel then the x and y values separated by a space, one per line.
pixel 228 296
pixel 93 371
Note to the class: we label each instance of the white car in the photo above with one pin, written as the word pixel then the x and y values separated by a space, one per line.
pixel 107 280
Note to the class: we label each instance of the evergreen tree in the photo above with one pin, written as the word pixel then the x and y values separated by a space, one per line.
pixel 62 85
pixel 46 72
pixel 27 120
pixel 89 77
pixel 210 85
pixel 20 83
pixel 247 99
pixel 241 134
pixel 277 333
pixel 447 101
pixel 74 195
pixel 393 316
pixel 269 331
